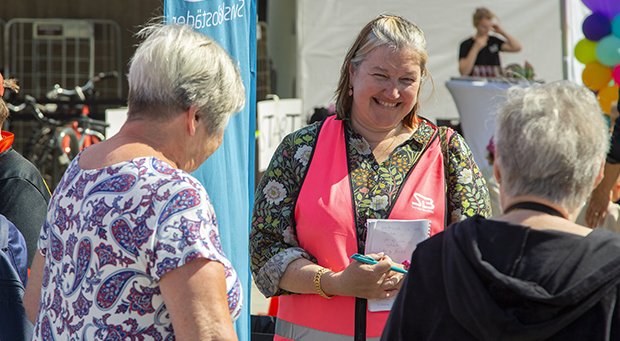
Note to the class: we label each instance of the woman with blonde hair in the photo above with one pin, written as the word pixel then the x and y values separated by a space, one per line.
pixel 375 159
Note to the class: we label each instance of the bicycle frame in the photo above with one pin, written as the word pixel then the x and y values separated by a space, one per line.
pixel 54 143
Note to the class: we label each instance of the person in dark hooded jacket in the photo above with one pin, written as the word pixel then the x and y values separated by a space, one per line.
pixel 531 273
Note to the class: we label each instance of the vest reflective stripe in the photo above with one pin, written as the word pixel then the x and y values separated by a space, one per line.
pixel 325 227
pixel 293 331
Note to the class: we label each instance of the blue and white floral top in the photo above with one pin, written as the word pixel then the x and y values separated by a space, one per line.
pixel 109 236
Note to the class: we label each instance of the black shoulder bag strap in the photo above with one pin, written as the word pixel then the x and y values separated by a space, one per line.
pixel 443 138
pixel 361 303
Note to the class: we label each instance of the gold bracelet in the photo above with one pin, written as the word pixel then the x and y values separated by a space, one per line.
pixel 317 282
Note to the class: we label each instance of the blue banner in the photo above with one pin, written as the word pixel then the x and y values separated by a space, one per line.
pixel 228 175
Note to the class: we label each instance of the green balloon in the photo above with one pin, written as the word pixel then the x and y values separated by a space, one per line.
pixel 585 51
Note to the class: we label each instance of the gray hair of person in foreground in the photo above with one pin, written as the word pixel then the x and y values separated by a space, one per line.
pixel 550 142
pixel 175 68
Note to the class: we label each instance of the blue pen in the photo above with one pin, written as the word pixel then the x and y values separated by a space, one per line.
pixel 368 260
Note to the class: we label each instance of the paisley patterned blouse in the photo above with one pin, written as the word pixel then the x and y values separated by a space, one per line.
pixel 273 240
pixel 109 236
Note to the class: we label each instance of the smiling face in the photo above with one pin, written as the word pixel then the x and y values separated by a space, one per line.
pixel 385 88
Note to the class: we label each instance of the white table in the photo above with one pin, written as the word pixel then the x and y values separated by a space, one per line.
pixel 477 100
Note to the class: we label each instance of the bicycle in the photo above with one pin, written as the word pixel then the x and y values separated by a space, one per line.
pixel 68 106
pixel 66 97
pixel 54 142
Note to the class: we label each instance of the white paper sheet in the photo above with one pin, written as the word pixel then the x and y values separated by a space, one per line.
pixel 396 239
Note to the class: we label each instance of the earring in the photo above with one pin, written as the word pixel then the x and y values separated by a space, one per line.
pixel 350 90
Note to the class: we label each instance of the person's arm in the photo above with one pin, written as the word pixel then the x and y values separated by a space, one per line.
pixel 357 280
pixel 195 296
pixel 601 196
pixel 466 64
pixel 26 207
pixel 467 191
pixel 32 294
pixel 511 44
pixel 273 239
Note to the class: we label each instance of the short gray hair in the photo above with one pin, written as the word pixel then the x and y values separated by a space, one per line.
pixel 176 68
pixel 550 142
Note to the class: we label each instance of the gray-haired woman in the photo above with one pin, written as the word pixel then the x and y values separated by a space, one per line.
pixel 531 273
pixel 377 159
pixel 130 246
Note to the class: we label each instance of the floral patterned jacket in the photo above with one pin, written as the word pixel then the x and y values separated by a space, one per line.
pixel 273 240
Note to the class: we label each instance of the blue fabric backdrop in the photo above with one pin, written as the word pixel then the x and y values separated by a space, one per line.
pixel 228 175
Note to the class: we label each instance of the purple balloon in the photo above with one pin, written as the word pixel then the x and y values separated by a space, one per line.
pixel 610 8
pixel 596 26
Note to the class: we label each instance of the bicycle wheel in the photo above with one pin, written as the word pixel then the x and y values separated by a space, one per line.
pixel 93 137
pixel 40 152
pixel 68 143
pixel 52 158
pixel 40 134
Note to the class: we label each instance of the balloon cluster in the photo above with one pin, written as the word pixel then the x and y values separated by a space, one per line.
pixel 600 50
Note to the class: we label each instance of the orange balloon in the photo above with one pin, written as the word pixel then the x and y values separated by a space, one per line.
pixel 607 96
pixel 605 106
pixel 596 76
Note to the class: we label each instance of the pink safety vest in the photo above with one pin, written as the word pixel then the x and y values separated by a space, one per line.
pixel 325 226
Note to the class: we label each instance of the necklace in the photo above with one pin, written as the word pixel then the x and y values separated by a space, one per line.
pixel 534 206
pixel 391 143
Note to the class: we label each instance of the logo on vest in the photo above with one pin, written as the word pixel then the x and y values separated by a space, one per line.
pixel 423 203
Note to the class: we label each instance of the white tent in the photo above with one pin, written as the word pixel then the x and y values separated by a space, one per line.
pixel 326 28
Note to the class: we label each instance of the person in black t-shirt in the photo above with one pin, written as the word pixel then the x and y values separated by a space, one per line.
pixel 482 48
pixel 601 195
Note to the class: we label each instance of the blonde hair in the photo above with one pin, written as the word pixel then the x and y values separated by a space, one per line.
pixel 482 13
pixel 384 30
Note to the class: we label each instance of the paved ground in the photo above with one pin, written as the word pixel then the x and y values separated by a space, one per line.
pixel 259 305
